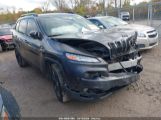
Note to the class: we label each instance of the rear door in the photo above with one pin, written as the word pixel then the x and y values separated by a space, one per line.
pixel 19 37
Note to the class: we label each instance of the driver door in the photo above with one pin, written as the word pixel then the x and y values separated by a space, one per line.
pixel 34 45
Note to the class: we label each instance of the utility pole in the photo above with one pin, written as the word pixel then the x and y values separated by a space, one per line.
pixel 103 7
pixel 115 3
pixel 120 3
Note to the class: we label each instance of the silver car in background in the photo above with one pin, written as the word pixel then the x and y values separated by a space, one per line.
pixel 147 36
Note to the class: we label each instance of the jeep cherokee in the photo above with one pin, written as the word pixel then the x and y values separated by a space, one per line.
pixel 84 62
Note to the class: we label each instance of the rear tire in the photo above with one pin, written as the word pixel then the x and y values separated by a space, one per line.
pixel 58 83
pixel 22 63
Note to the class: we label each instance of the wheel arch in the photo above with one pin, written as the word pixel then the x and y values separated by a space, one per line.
pixel 48 61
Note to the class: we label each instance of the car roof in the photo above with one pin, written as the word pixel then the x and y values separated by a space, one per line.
pixel 45 15
pixel 34 15
pixel 55 14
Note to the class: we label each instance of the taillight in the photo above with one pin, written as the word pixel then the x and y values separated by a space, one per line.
pixel 4 115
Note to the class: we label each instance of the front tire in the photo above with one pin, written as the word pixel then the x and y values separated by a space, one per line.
pixel 22 63
pixel 58 83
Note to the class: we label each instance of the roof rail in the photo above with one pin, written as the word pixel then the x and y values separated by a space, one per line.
pixel 29 14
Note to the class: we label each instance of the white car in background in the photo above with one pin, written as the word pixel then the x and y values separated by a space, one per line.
pixel 124 16
pixel 147 36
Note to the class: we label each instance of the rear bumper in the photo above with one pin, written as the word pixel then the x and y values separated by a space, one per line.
pixel 101 87
pixel 8 45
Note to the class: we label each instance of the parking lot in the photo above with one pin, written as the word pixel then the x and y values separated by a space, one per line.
pixel 36 98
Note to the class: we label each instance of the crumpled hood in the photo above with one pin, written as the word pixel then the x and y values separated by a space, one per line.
pixel 101 36
pixel 117 43
pixel 136 27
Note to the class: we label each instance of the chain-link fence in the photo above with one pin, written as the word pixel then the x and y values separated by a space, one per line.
pixel 145 14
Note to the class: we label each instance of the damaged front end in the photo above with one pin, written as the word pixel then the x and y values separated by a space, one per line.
pixel 118 66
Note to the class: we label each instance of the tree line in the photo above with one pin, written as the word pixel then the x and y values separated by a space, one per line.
pixel 82 7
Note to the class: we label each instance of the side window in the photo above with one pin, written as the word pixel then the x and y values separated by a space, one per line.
pixel 32 27
pixel 22 26
pixel 96 22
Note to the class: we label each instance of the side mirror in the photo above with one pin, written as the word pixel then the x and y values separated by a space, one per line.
pixel 36 35
pixel 101 26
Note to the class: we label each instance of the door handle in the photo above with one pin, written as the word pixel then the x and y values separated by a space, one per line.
pixel 42 49
pixel 28 43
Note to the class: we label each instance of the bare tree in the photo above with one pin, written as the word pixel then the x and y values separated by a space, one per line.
pixel 74 3
pixel 59 4
pixel 45 6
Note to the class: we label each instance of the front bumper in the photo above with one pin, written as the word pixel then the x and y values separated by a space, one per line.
pixel 126 64
pixel 96 81
pixel 147 43
pixel 102 87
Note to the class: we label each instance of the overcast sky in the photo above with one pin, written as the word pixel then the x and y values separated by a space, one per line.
pixel 24 4
pixel 31 4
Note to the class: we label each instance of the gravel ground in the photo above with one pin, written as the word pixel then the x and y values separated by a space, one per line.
pixel 35 96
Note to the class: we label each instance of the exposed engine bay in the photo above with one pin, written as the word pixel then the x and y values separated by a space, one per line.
pixel 118 54
pixel 110 51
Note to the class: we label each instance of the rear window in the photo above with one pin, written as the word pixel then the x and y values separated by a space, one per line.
pixel 5 31
pixel 22 26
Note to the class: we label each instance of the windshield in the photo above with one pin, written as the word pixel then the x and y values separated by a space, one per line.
pixel 59 25
pixel 5 31
pixel 125 13
pixel 112 21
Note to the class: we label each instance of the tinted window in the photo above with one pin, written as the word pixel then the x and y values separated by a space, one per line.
pixel 22 26
pixel 32 27
pixel 96 22
pixel 5 31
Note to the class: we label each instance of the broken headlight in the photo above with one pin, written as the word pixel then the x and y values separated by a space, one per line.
pixel 81 58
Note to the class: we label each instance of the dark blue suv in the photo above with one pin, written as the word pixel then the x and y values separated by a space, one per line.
pixel 84 62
